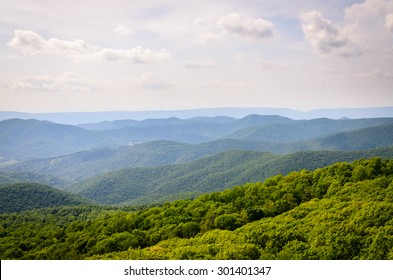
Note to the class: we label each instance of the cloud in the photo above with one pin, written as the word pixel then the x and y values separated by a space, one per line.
pixel 368 10
pixel 135 55
pixel 389 22
pixel 199 64
pixel 31 43
pixel 325 37
pixel 121 30
pixel 153 82
pixel 247 27
pixel 65 82
pixel 371 23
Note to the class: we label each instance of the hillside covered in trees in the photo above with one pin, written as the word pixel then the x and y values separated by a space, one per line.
pixel 33 139
pixel 342 211
pixel 28 196
pixel 147 185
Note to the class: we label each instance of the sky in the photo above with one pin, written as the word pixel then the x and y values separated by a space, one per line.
pixel 118 55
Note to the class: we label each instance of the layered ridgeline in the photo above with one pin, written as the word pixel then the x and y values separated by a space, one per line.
pixel 342 211
pixel 214 173
pixel 156 184
pixel 146 185
pixel 82 165
pixel 32 139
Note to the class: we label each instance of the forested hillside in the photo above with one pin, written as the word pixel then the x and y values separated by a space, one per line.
pixel 215 173
pixel 27 196
pixel 26 177
pixel 342 211
pixel 32 139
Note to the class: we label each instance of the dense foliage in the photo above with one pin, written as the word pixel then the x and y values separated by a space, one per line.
pixel 28 177
pixel 28 196
pixel 343 211
pixel 215 173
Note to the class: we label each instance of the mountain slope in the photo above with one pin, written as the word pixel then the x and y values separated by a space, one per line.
pixel 31 138
pixel 30 177
pixel 152 183
pixel 82 165
pixel 362 139
pixel 328 214
pixel 306 129
pixel 214 173
pixel 24 139
pixel 338 212
pixel 28 196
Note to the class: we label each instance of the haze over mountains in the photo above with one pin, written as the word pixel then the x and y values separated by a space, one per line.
pixel 116 188
pixel 94 117
pixel 154 160
pixel 28 139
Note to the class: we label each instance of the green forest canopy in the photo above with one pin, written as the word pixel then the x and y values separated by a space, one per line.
pixel 342 211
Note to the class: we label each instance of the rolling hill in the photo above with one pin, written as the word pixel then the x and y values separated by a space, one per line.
pixel 82 165
pixel 24 139
pixel 304 129
pixel 31 139
pixel 30 177
pixel 214 173
pixel 339 212
pixel 362 139
pixel 28 196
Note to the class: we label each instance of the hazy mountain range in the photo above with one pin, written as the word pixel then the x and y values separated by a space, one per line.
pixel 155 160
pixel 29 139
pixel 93 117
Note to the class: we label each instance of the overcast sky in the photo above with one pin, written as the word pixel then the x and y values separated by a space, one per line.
pixel 101 55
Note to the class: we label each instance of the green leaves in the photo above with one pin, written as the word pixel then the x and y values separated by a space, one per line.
pixel 342 211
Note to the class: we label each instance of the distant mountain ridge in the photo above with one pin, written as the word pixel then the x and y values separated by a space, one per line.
pixel 29 139
pixel 94 117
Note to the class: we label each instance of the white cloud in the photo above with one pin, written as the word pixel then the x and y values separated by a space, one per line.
pixel 325 37
pixel 122 30
pixel 135 55
pixel 29 42
pixel 389 22
pixel 199 64
pixel 254 28
pixel 370 22
pixel 368 9
pixel 65 82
